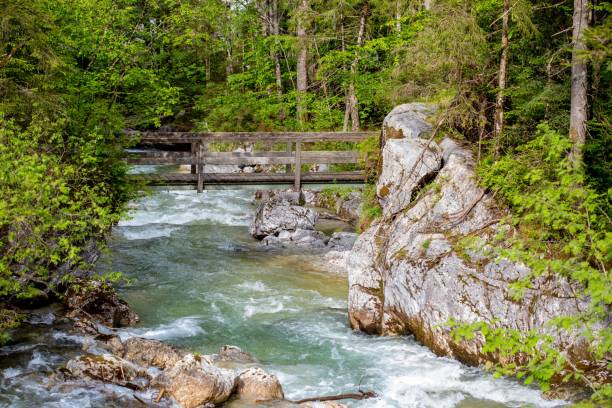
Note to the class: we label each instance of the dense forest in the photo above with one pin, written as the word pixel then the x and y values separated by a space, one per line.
pixel 525 84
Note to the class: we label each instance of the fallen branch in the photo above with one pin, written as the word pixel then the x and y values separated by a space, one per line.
pixel 357 396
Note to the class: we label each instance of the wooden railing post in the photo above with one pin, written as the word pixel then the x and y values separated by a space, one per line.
pixel 288 166
pixel 200 166
pixel 298 166
pixel 194 157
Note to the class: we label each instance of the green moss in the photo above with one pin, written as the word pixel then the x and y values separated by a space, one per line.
pixel 370 209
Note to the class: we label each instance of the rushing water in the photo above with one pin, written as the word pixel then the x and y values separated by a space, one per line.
pixel 200 282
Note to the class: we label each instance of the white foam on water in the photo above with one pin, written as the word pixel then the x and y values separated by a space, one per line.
pixel 180 207
pixel 189 326
pixel 266 306
pixel 256 286
pixel 42 361
pixel 11 372
pixel 135 233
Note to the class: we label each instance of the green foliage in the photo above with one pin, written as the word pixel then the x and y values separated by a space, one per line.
pixel 370 209
pixel 561 230
pixel 331 192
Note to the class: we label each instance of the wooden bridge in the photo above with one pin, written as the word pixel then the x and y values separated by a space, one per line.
pixel 190 148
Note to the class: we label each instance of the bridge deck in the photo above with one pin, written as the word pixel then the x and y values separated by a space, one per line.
pixel 164 148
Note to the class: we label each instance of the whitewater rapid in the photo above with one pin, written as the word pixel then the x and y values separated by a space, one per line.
pixel 200 282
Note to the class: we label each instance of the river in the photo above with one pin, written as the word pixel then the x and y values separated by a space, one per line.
pixel 200 282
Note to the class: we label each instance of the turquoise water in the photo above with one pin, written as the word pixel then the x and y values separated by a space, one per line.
pixel 201 282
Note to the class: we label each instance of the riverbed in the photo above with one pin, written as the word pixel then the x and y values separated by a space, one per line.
pixel 199 281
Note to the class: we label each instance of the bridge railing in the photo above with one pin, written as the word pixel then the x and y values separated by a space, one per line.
pixel 199 155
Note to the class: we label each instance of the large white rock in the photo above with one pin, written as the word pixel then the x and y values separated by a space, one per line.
pixel 410 121
pixel 406 165
pixel 256 384
pixel 407 275
pixel 277 214
pixel 195 381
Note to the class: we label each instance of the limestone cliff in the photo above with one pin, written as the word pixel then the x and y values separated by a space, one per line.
pixel 406 273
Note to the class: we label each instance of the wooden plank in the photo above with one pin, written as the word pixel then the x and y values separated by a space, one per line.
pixel 288 165
pixel 297 186
pixel 252 178
pixel 194 150
pixel 200 151
pixel 243 158
pixel 273 137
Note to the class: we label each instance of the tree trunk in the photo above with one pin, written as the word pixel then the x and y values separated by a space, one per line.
pixel 275 31
pixel 398 16
pixel 579 102
pixel 498 124
pixel 302 60
pixel 352 104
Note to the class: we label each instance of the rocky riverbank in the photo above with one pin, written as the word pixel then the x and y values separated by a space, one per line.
pixel 149 372
pixel 410 273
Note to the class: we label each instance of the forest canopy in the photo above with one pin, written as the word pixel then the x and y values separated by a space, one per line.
pixel 525 84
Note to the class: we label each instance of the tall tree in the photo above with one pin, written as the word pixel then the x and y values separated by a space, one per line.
pixel 498 124
pixel 302 60
pixel 579 102
pixel 352 104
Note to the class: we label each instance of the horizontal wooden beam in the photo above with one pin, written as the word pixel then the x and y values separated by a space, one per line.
pixel 245 158
pixel 251 178
pixel 233 137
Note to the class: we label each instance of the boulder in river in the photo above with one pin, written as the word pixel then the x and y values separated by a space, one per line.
pixel 297 238
pixel 256 384
pixel 106 367
pixel 194 381
pixel 234 354
pixel 96 300
pixel 148 352
pixel 408 275
pixel 278 214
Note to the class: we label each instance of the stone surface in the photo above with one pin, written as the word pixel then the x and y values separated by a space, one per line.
pixel 342 241
pixel 407 164
pixel 195 381
pixel 234 354
pixel 146 352
pixel 105 367
pixel 409 121
pixel 255 384
pixel 95 300
pixel 278 214
pixel 298 238
pixel 407 275
pixel 346 206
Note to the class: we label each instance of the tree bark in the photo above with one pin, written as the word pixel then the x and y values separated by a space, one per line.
pixel 352 104
pixel 579 101
pixel 398 16
pixel 274 29
pixel 498 123
pixel 302 60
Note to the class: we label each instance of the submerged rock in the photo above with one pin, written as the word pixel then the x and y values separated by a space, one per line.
pixel 298 238
pixel 406 273
pixel 233 354
pixel 255 384
pixel 195 381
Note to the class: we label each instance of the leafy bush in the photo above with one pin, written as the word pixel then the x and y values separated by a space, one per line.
pixel 59 194
pixel 562 230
